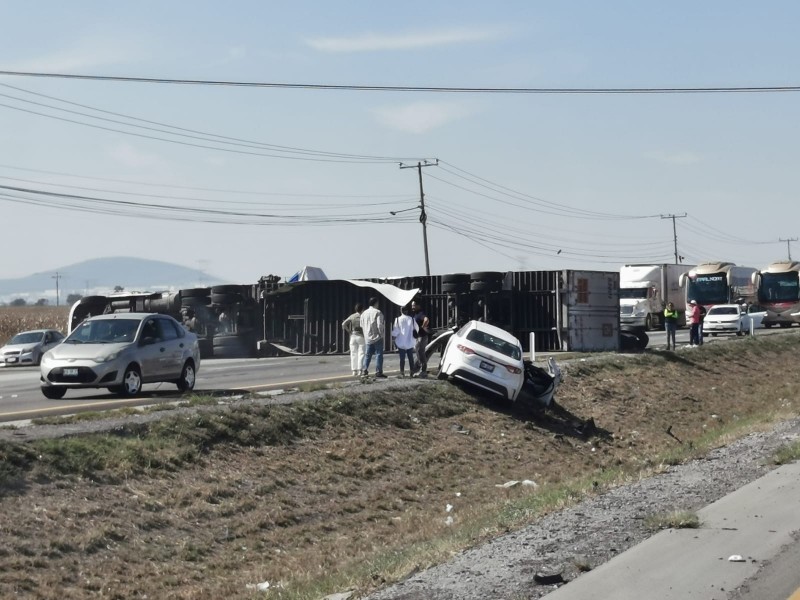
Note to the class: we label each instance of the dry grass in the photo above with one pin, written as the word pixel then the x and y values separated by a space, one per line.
pixel 14 319
pixel 352 491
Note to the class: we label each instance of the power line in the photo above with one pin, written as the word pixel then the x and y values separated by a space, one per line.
pixel 413 88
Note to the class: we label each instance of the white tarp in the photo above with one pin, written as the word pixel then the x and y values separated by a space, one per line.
pixel 308 274
pixel 391 292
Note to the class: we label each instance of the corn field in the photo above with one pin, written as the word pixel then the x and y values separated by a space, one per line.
pixel 14 319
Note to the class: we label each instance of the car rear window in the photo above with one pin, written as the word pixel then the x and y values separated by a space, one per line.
pixel 489 341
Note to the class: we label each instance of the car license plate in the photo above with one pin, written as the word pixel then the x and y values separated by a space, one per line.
pixel 70 372
pixel 486 366
pixel 11 359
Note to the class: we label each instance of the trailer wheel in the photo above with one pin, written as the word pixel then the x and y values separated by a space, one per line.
pixel 196 293
pixel 225 298
pixel 455 278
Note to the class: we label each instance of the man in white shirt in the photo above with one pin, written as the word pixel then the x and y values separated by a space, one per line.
pixel 374 327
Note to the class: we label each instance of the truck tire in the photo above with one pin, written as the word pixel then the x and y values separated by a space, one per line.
pixel 196 293
pixel 225 298
pixel 455 278
pixel 486 286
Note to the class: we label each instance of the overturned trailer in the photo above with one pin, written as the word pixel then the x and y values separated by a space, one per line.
pixel 567 310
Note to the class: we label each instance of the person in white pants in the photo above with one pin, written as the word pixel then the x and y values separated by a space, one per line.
pixel 352 326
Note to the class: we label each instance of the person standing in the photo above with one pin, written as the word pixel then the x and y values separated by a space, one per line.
pixel 403 333
pixel 352 327
pixel 374 327
pixel 670 324
pixel 423 337
pixel 694 323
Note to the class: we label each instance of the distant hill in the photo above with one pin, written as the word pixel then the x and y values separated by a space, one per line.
pixel 101 275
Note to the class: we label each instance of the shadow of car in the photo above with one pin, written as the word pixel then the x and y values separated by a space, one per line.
pixel 28 347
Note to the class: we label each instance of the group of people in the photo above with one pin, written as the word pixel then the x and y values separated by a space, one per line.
pixel 694 315
pixel 367 330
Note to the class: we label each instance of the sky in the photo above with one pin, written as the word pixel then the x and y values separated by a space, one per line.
pixel 255 147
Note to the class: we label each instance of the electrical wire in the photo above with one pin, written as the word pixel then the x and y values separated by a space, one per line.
pixel 414 88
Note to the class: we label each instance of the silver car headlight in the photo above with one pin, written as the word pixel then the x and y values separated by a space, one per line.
pixel 46 358
pixel 101 358
pixel 27 350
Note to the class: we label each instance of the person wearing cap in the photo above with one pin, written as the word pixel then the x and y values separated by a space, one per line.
pixel 670 323
pixel 694 317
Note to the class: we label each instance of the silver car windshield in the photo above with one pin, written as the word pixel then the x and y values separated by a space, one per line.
pixel 104 331
pixel 32 337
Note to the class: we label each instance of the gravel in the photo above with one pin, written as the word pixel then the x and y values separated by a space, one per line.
pixel 590 533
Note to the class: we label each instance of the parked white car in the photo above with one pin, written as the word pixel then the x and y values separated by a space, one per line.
pixel 727 318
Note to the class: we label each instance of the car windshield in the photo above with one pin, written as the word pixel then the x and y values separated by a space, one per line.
pixel 724 310
pixel 29 337
pixel 498 345
pixel 104 331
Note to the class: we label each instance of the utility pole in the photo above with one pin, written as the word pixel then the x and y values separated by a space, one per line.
pixel 674 232
pixel 423 217
pixel 788 245
pixel 57 276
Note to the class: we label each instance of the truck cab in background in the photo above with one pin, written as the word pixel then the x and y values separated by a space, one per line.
pixel 644 291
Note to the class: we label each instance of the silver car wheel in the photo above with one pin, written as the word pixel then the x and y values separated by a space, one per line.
pixel 131 382
pixel 187 380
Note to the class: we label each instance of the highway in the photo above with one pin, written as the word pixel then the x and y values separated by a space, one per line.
pixel 20 397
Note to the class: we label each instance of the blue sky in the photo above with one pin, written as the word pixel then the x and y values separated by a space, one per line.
pixel 525 181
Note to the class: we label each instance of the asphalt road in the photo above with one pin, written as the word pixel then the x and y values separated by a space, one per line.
pixel 20 397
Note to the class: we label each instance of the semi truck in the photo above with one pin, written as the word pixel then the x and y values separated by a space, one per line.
pixel 644 291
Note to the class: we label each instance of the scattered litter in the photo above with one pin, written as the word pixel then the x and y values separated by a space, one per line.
pixel 458 494
pixel 736 558
pixel 548 579
pixel 448 508
pixel 339 596
pixel 507 484
pixel 448 521
pixel 261 587
pixel 530 483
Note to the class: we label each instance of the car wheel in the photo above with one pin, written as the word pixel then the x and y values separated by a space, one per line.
pixel 131 382
pixel 53 393
pixel 186 382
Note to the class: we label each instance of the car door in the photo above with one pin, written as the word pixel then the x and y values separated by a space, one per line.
pixel 150 350
pixel 172 355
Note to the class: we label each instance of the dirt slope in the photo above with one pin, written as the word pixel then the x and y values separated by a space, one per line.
pixel 354 488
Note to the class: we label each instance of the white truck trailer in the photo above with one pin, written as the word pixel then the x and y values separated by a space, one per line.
pixel 644 291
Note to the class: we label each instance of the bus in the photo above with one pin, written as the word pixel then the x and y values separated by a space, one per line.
pixel 711 283
pixel 778 292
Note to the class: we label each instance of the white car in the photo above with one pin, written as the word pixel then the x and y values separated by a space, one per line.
pixel 27 347
pixel 484 356
pixel 122 351
pixel 727 318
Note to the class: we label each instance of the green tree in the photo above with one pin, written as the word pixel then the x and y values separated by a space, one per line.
pixel 19 302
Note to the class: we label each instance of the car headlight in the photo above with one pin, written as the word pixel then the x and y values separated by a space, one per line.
pixel 101 358
pixel 27 350
pixel 46 358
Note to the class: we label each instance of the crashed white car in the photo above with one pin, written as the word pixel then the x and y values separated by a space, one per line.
pixel 490 358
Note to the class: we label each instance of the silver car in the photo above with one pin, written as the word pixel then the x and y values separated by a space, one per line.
pixel 122 351
pixel 27 347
